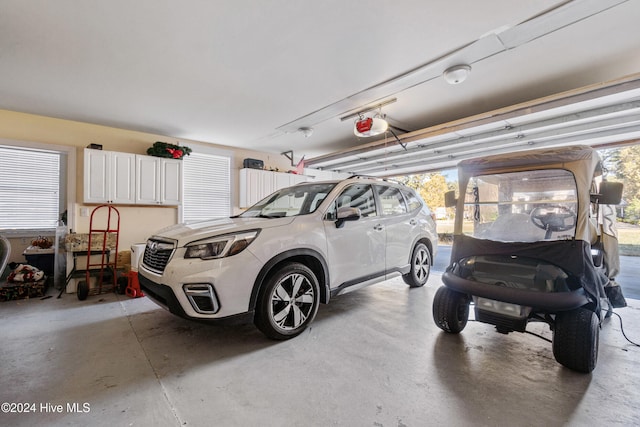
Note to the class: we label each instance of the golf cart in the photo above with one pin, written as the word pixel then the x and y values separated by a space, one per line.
pixel 534 240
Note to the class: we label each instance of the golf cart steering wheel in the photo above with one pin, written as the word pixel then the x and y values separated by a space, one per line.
pixel 553 218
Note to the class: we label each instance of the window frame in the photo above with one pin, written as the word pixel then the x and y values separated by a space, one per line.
pixel 210 151
pixel 67 186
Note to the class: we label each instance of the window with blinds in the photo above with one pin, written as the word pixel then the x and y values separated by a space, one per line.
pixel 207 187
pixel 29 188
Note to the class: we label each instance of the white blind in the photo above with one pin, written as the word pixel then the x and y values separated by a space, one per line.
pixel 207 187
pixel 29 188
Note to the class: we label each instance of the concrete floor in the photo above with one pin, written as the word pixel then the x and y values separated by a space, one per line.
pixel 371 358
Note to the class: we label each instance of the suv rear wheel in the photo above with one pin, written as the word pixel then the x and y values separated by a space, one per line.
pixel 288 302
pixel 420 266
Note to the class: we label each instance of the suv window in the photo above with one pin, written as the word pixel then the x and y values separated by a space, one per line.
pixel 301 199
pixel 413 201
pixel 354 196
pixel 391 200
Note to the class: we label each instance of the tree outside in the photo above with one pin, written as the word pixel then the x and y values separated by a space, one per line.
pixel 430 186
pixel 624 165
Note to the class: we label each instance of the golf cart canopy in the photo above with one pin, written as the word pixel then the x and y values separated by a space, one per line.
pixel 581 161
pixel 538 204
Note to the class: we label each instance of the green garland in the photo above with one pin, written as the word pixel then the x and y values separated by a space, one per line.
pixel 170 151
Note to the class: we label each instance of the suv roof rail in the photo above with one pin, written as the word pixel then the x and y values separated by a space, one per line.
pixel 378 178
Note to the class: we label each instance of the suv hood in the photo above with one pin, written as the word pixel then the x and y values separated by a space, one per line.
pixel 189 232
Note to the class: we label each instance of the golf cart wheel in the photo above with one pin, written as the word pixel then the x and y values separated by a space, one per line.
pixel 420 267
pixel 83 290
pixel 288 302
pixel 576 338
pixel 450 310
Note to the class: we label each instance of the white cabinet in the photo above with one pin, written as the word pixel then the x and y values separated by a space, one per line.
pixel 158 181
pixel 109 177
pixel 171 182
pixel 125 178
pixel 251 186
pixel 256 184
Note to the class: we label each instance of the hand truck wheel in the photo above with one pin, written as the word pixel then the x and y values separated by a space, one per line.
pixel 83 290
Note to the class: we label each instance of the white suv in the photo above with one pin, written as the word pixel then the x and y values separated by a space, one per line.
pixel 296 248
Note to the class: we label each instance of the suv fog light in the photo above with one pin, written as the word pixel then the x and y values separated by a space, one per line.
pixel 202 297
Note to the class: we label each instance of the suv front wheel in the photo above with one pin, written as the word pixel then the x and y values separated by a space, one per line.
pixel 288 302
pixel 420 266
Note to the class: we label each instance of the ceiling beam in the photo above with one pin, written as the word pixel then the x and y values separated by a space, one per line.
pixel 612 104
pixel 580 121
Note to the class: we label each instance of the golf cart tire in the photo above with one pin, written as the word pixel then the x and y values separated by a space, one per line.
pixel 450 310
pixel 576 338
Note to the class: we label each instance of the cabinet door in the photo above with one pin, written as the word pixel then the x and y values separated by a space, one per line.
pixel 268 183
pixel 158 181
pixel 123 177
pixel 170 182
pixel 109 177
pixel 280 180
pixel 296 179
pixel 147 180
pixel 96 176
pixel 250 187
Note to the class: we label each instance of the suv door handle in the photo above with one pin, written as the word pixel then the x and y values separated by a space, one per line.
pixel 378 227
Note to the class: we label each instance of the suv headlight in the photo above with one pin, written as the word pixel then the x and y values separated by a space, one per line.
pixel 220 246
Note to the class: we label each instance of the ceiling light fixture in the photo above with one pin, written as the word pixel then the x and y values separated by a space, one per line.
pixel 306 131
pixel 456 74
pixel 370 126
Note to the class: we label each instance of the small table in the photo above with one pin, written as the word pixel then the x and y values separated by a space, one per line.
pixel 42 259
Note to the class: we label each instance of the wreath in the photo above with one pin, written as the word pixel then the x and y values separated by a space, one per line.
pixel 170 151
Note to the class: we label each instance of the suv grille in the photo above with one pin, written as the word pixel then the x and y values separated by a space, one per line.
pixel 157 254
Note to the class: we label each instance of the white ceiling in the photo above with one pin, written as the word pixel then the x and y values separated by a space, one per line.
pixel 249 73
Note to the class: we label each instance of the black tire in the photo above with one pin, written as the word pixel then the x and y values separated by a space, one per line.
pixel 288 302
pixel 450 310
pixel 123 282
pixel 420 267
pixel 83 290
pixel 576 338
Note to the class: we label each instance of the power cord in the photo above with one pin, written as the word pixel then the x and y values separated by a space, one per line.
pixel 539 336
pixel 622 330
pixel 550 341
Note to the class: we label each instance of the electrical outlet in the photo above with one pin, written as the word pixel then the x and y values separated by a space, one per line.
pixel 84 211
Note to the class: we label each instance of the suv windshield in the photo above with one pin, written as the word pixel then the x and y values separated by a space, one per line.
pixel 301 199
pixel 523 206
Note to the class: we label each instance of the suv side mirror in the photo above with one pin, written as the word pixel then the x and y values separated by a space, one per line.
pixel 347 214
pixel 450 200
pixel 610 193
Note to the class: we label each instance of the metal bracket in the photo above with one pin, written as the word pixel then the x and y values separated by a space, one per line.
pixel 403 145
pixel 289 155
